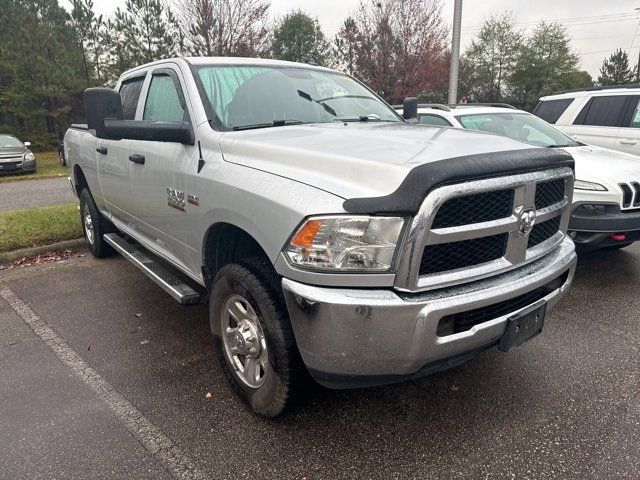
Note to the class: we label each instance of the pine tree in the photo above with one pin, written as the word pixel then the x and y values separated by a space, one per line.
pixel 615 69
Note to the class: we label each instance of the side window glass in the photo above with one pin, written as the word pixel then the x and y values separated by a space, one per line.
pixel 163 101
pixel 551 110
pixel 635 117
pixel 130 94
pixel 433 120
pixel 607 111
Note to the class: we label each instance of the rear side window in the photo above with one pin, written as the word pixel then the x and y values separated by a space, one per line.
pixel 426 119
pixel 130 94
pixel 635 117
pixel 606 111
pixel 551 110
pixel 163 101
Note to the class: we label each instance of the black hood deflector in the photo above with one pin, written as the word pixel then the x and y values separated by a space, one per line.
pixel 408 197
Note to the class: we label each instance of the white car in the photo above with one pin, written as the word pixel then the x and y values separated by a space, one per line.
pixel 606 208
pixel 604 116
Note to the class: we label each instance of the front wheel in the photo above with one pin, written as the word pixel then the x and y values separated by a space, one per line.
pixel 255 343
pixel 94 226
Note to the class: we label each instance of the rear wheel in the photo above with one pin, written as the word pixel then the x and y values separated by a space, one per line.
pixel 255 343
pixel 94 226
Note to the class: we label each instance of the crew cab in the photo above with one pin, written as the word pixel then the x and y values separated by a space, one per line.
pixel 332 238
pixel 606 202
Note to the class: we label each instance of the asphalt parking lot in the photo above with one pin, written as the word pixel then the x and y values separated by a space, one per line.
pixel 102 375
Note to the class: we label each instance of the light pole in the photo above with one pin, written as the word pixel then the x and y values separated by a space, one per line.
pixel 455 52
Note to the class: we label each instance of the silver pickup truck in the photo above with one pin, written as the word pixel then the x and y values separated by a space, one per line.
pixel 332 237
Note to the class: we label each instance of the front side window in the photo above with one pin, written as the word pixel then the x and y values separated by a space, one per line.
pixel 604 111
pixel 523 127
pixel 551 110
pixel 427 119
pixel 245 96
pixel 130 94
pixel 163 101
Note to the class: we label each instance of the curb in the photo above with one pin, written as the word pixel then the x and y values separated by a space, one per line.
pixel 8 257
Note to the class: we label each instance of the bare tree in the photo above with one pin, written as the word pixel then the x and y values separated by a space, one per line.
pixel 225 27
pixel 345 46
pixel 402 46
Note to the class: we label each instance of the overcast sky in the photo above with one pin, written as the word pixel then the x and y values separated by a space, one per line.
pixel 597 27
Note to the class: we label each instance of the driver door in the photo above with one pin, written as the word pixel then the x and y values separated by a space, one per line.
pixel 158 169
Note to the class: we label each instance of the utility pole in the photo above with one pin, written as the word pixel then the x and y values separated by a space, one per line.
pixel 455 52
pixel 637 66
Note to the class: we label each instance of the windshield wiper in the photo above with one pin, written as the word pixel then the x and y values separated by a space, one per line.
pixel 308 97
pixel 275 123
pixel 362 118
pixel 561 146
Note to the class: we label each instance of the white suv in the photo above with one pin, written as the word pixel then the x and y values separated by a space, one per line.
pixel 606 208
pixel 604 116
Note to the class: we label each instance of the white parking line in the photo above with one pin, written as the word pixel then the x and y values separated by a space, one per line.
pixel 149 435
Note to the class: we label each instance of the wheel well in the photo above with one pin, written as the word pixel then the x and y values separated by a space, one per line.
pixel 80 180
pixel 224 244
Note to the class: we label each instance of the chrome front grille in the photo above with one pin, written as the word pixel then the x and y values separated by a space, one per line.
pixel 472 230
pixel 630 195
pixel 480 207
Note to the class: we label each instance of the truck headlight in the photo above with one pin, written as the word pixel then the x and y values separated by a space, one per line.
pixel 584 185
pixel 342 243
pixel 29 157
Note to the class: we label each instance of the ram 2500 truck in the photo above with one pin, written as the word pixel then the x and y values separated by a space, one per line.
pixel 332 237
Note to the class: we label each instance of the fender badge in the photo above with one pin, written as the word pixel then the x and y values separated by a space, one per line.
pixel 193 199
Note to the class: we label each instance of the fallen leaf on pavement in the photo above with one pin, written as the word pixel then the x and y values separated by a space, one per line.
pixel 208 395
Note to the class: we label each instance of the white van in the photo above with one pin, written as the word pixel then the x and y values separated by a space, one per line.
pixel 607 117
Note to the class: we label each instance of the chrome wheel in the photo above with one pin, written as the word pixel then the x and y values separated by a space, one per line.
pixel 88 225
pixel 244 343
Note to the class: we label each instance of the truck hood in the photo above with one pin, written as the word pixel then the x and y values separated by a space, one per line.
pixel 604 166
pixel 355 159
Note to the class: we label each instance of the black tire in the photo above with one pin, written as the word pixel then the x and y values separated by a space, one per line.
pixel 61 158
pixel 617 246
pixel 286 376
pixel 100 225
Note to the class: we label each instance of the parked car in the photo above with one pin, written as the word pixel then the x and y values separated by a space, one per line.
pixel 606 201
pixel 15 156
pixel 332 237
pixel 606 117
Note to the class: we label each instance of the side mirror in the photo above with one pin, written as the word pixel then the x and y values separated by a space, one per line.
pixel 175 132
pixel 27 144
pixel 410 108
pixel 100 104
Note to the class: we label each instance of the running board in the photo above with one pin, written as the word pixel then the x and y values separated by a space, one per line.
pixel 153 269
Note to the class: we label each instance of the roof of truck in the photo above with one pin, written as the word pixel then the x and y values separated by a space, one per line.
pixel 262 62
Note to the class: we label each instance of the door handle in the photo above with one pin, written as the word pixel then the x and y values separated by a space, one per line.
pixel 102 150
pixel 628 142
pixel 137 158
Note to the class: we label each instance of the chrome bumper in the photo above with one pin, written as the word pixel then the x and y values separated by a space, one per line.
pixel 350 338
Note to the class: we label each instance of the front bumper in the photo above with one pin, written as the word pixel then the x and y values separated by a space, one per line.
pixel 353 338
pixel 11 169
pixel 596 230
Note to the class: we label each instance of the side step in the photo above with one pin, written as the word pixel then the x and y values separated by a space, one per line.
pixel 153 269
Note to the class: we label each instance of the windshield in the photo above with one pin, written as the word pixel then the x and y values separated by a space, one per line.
pixel 9 142
pixel 245 96
pixel 518 126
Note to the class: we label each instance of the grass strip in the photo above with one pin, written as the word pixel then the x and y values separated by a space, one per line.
pixel 39 226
